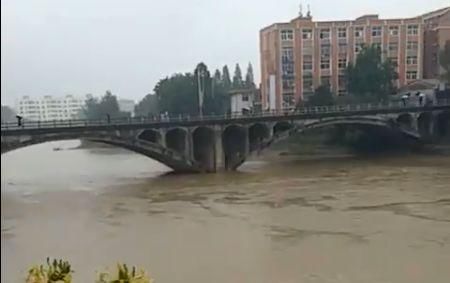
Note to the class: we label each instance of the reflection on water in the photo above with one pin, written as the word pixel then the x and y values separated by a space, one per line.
pixel 328 220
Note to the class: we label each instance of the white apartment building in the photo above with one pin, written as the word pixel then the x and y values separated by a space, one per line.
pixel 50 108
pixel 242 100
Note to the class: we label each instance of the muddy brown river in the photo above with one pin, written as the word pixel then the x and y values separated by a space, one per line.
pixel 372 220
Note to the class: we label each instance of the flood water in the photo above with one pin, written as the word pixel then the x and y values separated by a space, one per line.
pixel 326 220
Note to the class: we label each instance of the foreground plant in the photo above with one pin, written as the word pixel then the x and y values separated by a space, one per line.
pixel 56 271
pixel 124 275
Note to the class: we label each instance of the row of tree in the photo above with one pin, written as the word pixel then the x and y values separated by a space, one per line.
pixel 105 107
pixel 178 94
pixel 181 93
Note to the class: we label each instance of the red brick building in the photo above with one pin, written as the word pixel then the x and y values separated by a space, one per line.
pixel 300 55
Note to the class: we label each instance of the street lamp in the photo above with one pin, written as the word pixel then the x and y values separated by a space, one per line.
pixel 201 89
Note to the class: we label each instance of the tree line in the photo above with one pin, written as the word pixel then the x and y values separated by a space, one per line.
pixel 179 93
pixel 105 107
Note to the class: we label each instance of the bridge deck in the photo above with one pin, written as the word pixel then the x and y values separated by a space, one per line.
pixel 36 127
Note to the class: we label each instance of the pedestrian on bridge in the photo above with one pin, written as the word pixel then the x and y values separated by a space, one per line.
pixel 421 98
pixel 404 99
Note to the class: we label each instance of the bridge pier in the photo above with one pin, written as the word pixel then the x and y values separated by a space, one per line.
pixel 219 159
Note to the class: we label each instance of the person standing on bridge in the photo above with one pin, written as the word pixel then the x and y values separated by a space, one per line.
pixel 404 99
pixel 421 98
pixel 19 120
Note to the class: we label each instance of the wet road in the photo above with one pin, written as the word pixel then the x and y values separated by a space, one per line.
pixel 327 220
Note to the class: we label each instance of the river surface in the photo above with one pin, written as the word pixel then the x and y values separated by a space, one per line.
pixel 326 220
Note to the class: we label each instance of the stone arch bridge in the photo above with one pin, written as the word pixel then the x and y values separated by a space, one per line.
pixel 214 143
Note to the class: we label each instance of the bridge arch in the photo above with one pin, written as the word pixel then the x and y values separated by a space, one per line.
pixel 425 124
pixel 281 126
pixel 166 156
pixel 203 139
pixel 383 127
pixel 405 120
pixel 234 143
pixel 151 135
pixel 442 124
pixel 176 139
pixel 257 133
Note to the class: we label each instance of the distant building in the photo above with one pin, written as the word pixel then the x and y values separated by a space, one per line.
pixel 243 100
pixel 300 55
pixel 436 34
pixel 126 105
pixel 50 108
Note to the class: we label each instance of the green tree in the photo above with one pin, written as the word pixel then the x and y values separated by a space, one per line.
pixel 217 77
pixel 178 94
pixel 100 109
pixel 108 105
pixel 444 61
pixel 91 108
pixel 249 79
pixel 226 81
pixel 148 106
pixel 322 97
pixel 369 78
pixel 237 78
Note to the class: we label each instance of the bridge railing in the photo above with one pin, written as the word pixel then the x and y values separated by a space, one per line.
pixel 178 118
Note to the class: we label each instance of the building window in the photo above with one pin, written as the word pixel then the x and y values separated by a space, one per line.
pixel 308 84
pixel 307 63
pixel 411 75
pixel 413 30
pixel 288 70
pixel 325 33
pixel 325 49
pixel 342 32
pixel 245 97
pixel 358 47
pixel 287 34
pixel 411 60
pixel 411 45
pixel 376 31
pixel 394 61
pixel 393 30
pixel 342 46
pixel 342 85
pixel 288 100
pixel 342 63
pixel 359 31
pixel 377 45
pixel 287 55
pixel 324 63
pixel 325 80
pixel 288 83
pixel 393 46
pixel 307 34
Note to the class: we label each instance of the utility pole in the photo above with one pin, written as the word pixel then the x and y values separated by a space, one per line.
pixel 201 89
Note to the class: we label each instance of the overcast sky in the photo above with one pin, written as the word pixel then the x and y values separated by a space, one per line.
pixel 76 47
